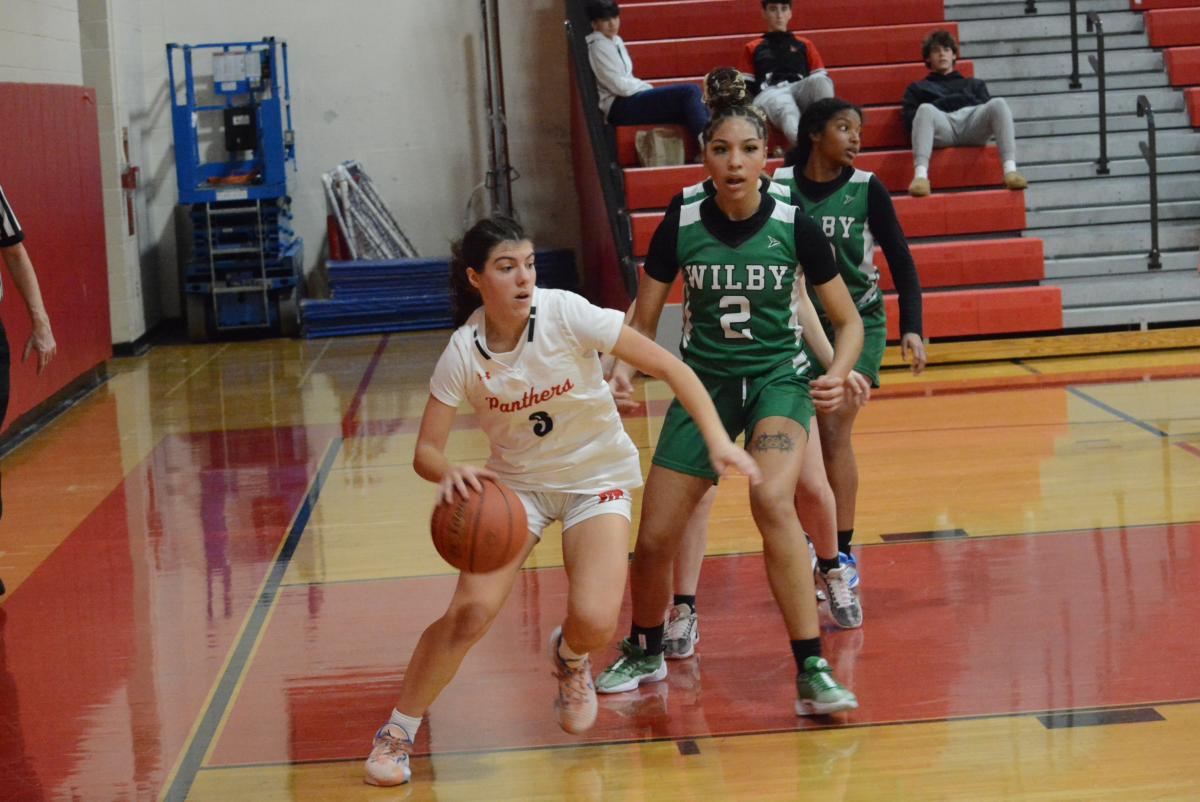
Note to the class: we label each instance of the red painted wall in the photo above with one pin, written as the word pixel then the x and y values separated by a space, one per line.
pixel 50 171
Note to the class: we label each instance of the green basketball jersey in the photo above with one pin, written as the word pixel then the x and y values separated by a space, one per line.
pixel 843 218
pixel 740 304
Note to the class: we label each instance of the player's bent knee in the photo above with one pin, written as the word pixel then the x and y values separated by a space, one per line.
pixel 469 622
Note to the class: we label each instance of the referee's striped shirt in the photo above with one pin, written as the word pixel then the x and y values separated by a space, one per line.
pixel 10 229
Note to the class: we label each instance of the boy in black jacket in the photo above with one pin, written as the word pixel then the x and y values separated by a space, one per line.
pixel 946 109
pixel 784 71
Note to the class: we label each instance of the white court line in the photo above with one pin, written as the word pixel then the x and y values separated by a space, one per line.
pixel 199 367
pixel 311 367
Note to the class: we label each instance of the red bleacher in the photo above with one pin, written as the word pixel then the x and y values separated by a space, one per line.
pixel 843 47
pixel 653 187
pixel 882 128
pixel 872 50
pixel 941 214
pixel 674 20
pixel 1175 26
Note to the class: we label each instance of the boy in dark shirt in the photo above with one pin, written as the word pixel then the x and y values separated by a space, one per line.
pixel 946 109
pixel 784 71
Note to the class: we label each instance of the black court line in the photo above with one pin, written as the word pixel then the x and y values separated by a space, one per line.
pixel 1138 422
pixel 1099 718
pixel 918 537
pixel 821 727
pixel 1023 365
pixel 197 748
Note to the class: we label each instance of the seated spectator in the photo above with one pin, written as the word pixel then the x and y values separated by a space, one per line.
pixel 626 100
pixel 945 110
pixel 785 71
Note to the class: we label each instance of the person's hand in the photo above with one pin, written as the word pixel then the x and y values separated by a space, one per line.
pixel 620 384
pixel 41 339
pixel 459 477
pixel 912 349
pixel 729 458
pixel 858 389
pixel 828 392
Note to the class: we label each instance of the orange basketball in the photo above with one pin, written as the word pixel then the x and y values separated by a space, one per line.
pixel 482 532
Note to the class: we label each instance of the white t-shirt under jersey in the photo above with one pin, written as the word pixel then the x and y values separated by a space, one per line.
pixel 545 407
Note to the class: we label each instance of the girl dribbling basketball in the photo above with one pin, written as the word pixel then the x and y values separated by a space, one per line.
pixel 527 362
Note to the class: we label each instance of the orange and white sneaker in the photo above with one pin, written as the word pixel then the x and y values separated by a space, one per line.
pixel 388 763
pixel 576 702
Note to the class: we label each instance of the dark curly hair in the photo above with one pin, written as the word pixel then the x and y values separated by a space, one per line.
pixel 726 96
pixel 939 37
pixel 472 251
pixel 812 123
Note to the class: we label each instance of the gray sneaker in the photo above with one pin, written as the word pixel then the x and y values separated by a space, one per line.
pixel 631 669
pixel 843 600
pixel 683 632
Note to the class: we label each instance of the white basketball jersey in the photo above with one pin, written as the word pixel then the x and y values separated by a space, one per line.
pixel 545 407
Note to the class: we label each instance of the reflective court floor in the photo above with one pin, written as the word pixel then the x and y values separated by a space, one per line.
pixel 218 564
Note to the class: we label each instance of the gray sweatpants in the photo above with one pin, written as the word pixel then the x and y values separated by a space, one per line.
pixel 784 103
pixel 972 125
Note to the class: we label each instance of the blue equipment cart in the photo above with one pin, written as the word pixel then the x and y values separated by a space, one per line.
pixel 233 142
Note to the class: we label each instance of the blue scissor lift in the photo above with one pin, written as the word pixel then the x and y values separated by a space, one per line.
pixel 231 155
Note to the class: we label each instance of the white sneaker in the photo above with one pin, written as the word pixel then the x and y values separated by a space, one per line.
pixel 683 632
pixel 843 600
pixel 576 702
pixel 388 763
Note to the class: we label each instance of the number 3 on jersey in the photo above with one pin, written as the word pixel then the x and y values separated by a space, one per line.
pixel 741 316
pixel 543 424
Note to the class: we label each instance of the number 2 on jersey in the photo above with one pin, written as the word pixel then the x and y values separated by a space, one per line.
pixel 731 319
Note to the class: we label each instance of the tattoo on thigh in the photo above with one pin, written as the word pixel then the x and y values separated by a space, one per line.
pixel 773 442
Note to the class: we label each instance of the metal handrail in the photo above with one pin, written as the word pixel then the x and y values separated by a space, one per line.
pixel 1150 153
pixel 1073 11
pixel 608 168
pixel 1097 62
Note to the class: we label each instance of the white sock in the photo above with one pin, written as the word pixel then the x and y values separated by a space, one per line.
pixel 410 724
pixel 568 655
pixel 1010 166
pixel 921 172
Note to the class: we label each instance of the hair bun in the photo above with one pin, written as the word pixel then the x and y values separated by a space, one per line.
pixel 725 88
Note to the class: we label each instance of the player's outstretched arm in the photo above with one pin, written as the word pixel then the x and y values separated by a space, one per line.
pixel 429 459
pixel 642 353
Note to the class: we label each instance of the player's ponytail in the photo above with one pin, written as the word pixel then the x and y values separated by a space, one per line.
pixel 726 96
pixel 812 123
pixel 472 251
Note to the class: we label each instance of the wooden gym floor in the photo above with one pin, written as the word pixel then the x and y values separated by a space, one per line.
pixel 218 564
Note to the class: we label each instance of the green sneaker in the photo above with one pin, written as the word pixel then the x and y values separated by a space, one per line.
pixel 818 692
pixel 632 668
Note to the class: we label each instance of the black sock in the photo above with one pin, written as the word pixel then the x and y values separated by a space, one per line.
pixel 828 565
pixel 690 601
pixel 804 649
pixel 649 639
pixel 844 538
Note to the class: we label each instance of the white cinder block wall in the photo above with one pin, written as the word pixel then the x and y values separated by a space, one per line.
pixel 39 42
pixel 396 84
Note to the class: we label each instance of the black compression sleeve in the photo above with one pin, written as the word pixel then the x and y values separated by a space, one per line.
pixel 814 252
pixel 662 264
pixel 881 217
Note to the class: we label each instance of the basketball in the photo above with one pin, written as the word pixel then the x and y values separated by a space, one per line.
pixel 482 532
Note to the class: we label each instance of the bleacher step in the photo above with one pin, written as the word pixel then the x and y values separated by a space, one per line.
pixel 990 9
pixel 1121 145
pixel 1041 26
pixel 1062 126
pixel 1055 44
pixel 1072 171
pixel 1012 87
pixel 1109 190
pixel 1118 264
pixel 1080 241
pixel 1068 103
pixel 1119 214
pixel 1131 288
pixel 1131 314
